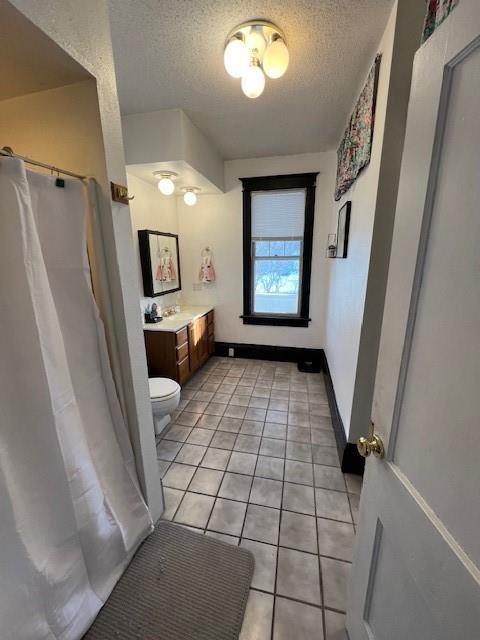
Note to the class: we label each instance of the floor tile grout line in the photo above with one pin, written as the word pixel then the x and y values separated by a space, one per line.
pixel 275 584
pixel 217 496
pixel 290 422
pixel 249 494
pixel 304 484
pixel 299 601
pixel 271 456
pixel 299 484
pixel 246 475
pixel 320 575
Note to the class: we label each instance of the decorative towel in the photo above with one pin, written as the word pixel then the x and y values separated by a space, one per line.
pixel 166 270
pixel 207 270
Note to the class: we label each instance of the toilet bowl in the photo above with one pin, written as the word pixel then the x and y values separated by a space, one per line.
pixel 165 396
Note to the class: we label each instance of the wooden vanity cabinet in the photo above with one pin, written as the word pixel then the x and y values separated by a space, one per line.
pixel 210 333
pixel 179 354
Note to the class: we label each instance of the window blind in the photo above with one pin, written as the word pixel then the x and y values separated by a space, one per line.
pixel 278 214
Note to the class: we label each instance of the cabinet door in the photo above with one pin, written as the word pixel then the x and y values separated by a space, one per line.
pixel 198 342
pixel 192 346
pixel 203 342
pixel 211 339
pixel 161 354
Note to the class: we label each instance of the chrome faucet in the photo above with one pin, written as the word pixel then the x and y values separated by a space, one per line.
pixel 169 311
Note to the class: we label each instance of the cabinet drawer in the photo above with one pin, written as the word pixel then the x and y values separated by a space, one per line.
pixel 183 370
pixel 182 352
pixel 181 336
pixel 210 317
pixel 211 331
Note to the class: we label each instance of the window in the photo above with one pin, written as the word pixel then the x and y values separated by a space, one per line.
pixel 278 214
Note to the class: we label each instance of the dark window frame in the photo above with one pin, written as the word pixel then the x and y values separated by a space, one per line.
pixel 305 181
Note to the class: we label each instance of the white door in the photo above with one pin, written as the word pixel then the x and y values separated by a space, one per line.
pixel 416 573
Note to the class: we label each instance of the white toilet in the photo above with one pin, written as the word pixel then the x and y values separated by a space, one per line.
pixel 165 396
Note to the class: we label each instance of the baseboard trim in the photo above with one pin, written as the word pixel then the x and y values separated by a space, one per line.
pixel 300 355
pixel 350 460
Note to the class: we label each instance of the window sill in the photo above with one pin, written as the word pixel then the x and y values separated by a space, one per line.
pixel 276 321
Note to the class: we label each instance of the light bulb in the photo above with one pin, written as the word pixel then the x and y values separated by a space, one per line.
pixel 253 82
pixel 190 198
pixel 255 41
pixel 235 58
pixel 166 186
pixel 275 59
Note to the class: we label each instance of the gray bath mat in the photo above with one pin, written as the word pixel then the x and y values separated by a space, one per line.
pixel 180 585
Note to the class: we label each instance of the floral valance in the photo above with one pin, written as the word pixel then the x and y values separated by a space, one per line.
pixel 356 146
pixel 437 11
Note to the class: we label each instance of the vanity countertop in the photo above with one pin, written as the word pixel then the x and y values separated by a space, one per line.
pixel 181 319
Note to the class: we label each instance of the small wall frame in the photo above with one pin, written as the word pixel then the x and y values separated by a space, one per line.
pixel 160 260
pixel 343 227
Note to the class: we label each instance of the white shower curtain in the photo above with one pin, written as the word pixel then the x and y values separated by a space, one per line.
pixel 71 511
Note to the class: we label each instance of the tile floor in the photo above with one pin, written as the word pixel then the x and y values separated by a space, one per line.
pixel 250 458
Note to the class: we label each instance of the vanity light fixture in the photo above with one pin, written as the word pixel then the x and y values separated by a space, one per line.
pixel 254 49
pixel 165 181
pixel 190 195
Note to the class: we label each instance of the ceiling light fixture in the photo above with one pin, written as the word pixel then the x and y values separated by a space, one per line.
pixel 255 49
pixel 190 195
pixel 165 182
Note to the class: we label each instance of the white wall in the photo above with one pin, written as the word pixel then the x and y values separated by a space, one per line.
pixel 216 221
pixel 150 210
pixel 169 135
pixel 82 30
pixel 408 28
pixel 59 126
pixel 348 277
pixel 358 283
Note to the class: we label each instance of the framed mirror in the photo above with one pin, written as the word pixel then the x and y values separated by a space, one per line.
pixel 159 257
pixel 343 228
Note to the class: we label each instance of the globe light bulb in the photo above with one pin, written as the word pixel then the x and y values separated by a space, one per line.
pixel 166 186
pixel 235 58
pixel 276 59
pixel 253 82
pixel 190 198
pixel 255 42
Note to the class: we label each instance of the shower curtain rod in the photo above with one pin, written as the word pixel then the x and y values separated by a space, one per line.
pixel 8 151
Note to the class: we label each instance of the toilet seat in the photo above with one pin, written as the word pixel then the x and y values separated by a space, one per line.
pixel 163 388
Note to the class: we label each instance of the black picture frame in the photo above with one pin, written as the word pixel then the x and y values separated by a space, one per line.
pixel 151 288
pixel 274 183
pixel 343 228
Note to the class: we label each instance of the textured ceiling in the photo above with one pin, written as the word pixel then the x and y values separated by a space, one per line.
pixel 170 54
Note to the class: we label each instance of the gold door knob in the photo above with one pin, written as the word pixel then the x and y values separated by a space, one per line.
pixel 371 444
